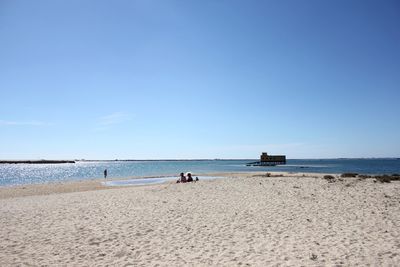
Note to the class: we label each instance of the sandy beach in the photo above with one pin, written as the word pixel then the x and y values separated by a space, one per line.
pixel 245 219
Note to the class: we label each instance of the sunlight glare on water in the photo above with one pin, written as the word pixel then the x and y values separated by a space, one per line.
pixel 17 174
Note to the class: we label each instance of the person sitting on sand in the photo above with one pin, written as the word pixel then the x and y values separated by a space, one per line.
pixel 182 178
pixel 189 177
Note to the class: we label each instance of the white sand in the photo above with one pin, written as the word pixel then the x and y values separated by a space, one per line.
pixel 249 221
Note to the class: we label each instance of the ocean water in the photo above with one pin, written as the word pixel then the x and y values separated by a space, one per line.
pixel 18 174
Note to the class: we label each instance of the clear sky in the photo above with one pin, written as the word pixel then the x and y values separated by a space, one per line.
pixel 199 79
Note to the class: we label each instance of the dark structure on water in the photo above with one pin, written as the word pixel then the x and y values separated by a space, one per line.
pixel 42 161
pixel 269 160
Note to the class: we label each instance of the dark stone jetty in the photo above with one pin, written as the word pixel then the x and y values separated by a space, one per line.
pixel 43 161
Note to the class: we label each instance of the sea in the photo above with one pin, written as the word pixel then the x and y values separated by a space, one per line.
pixel 20 174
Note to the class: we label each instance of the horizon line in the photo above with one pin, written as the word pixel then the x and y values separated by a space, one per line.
pixel 195 159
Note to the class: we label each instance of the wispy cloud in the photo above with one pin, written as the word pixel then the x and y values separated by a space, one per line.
pixel 22 123
pixel 114 118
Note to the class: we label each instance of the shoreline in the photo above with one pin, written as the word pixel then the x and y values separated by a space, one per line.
pixel 25 190
pixel 12 191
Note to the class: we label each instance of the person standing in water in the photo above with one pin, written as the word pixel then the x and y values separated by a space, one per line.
pixel 105 173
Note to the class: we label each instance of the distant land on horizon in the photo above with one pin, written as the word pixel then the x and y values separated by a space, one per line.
pixel 49 161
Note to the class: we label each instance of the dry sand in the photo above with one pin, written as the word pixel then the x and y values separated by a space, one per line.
pixel 238 221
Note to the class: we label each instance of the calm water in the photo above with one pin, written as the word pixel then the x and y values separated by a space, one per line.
pixel 15 174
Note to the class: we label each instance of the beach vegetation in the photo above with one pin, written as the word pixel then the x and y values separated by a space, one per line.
pixel 268 174
pixel 329 178
pixel 349 175
pixel 383 178
pixel 263 175
pixel 387 178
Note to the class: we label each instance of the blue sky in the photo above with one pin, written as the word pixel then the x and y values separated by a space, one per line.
pixel 199 79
